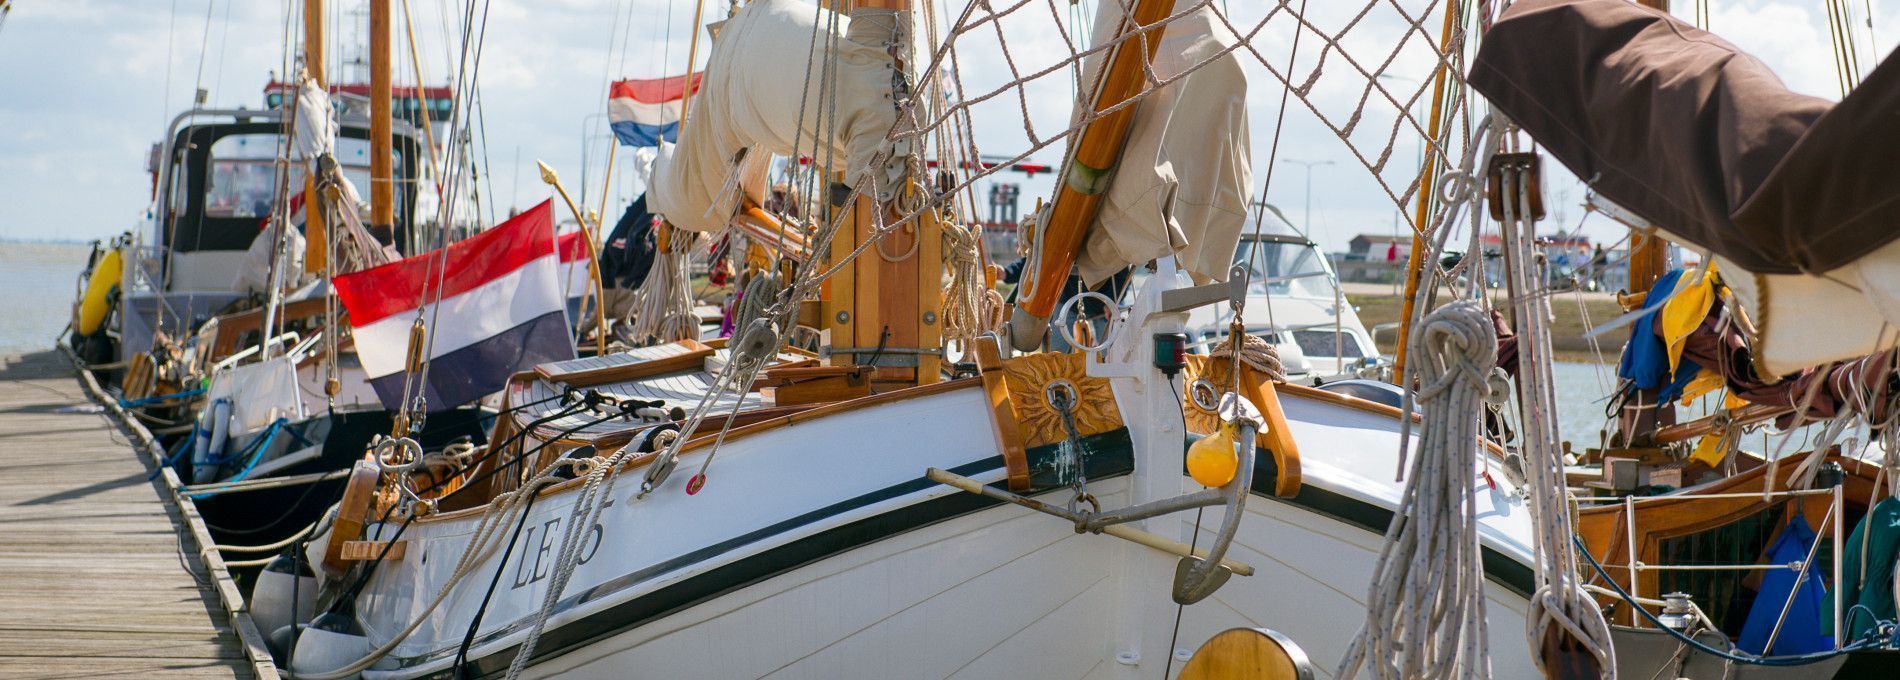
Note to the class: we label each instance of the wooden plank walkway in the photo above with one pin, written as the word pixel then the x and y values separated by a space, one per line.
pixel 98 576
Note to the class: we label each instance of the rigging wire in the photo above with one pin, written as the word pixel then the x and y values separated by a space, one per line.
pixel 224 44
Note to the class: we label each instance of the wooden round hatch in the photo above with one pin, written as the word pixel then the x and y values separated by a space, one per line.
pixel 1250 654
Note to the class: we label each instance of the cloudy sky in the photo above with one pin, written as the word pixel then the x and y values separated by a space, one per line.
pixel 86 87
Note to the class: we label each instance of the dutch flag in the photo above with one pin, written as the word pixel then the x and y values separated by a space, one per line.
pixel 644 112
pixel 500 311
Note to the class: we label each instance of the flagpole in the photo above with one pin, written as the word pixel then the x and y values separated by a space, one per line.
pixel 593 261
pixel 600 224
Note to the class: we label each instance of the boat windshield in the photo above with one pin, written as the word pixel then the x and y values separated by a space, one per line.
pixel 1284 268
pixel 243 173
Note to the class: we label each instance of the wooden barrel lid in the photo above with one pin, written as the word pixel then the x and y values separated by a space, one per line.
pixel 1249 653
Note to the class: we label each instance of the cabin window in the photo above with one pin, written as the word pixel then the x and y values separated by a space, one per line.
pixel 1284 268
pixel 1319 343
pixel 242 177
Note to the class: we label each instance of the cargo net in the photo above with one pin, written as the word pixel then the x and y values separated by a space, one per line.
pixel 1363 81
pixel 1367 73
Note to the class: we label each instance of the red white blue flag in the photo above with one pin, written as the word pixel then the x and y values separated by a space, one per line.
pixel 575 276
pixel 644 112
pixel 496 310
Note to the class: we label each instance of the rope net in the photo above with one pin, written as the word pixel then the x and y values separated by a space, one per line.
pixel 1366 72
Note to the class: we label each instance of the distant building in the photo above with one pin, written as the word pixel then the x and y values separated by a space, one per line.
pixel 1379 248
pixel 1374 258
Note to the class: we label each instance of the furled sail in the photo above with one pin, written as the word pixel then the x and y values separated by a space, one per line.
pixel 1792 193
pixel 1182 184
pixel 769 90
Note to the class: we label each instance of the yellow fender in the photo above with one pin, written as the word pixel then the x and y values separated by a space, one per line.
pixel 94 305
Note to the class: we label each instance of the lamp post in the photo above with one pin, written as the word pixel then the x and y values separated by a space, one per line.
pixel 1308 219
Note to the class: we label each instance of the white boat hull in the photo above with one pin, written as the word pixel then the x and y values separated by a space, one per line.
pixel 766 573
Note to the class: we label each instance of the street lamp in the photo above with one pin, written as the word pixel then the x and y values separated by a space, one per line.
pixel 1309 187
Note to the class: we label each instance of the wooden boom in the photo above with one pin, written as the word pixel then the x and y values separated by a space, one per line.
pixel 1097 148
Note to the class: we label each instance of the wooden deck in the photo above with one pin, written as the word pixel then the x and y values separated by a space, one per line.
pixel 98 574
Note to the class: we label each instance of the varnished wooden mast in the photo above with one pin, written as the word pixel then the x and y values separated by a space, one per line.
pixel 1648 252
pixel 317 244
pixel 382 188
pixel 1428 179
pixel 1097 149
pixel 1648 258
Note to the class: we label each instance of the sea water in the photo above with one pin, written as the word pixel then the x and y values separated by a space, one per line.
pixel 38 283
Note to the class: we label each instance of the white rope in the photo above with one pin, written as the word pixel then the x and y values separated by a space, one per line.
pixel 580 520
pixel 489 535
pixel 663 311
pixel 1425 608
pixel 1560 600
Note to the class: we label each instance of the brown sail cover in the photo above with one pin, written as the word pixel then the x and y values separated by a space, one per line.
pixel 1698 137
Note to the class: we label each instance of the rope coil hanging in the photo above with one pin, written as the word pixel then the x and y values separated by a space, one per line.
pixel 1425 608
pixel 1563 619
pixel 664 312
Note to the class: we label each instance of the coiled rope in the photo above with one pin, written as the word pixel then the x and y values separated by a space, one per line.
pixel 664 312
pixel 969 308
pixel 1255 352
pixel 758 296
pixel 1425 608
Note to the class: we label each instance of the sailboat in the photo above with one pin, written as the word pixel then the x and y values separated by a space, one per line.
pixel 216 322
pixel 1744 561
pixel 892 500
pixel 894 513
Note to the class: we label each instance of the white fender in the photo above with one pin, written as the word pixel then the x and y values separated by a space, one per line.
pixel 279 587
pixel 214 428
pixel 329 643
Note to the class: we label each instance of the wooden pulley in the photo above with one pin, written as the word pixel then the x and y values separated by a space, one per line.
pixel 352 513
pixel 1248 654
pixel 1529 165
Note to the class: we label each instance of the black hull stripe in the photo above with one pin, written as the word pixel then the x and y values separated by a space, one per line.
pixel 1501 569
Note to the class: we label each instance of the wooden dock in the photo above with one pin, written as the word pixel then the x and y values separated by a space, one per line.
pixel 99 573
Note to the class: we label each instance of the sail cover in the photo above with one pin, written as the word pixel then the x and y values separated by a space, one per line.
pixel 1182 184
pixel 1697 136
pixel 768 62
pixel 1794 195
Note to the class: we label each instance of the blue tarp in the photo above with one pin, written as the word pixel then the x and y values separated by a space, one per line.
pixel 1645 360
pixel 1803 631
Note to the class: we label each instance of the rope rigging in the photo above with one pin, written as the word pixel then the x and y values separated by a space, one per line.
pixel 1425 610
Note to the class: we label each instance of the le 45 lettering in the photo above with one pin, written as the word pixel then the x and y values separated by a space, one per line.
pixel 541 543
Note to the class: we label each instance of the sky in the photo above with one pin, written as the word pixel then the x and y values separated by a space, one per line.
pixel 87 86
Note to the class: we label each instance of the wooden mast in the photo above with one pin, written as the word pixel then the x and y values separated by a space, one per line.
pixel 1427 181
pixel 1648 260
pixel 880 303
pixel 317 243
pixel 1097 149
pixel 382 188
pixel 1648 251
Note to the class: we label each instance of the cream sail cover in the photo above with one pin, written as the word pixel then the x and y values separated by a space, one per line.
pixel 1182 183
pixel 766 65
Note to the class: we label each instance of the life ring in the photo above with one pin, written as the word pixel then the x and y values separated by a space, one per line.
pixel 97 301
pixel 352 513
